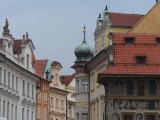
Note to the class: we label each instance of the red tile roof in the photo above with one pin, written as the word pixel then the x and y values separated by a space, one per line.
pixel 17 45
pixel 68 79
pixel 40 66
pixel 124 20
pixel 125 55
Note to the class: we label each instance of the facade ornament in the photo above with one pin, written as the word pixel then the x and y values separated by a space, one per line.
pixel 139 116
pixel 2 90
pixel 33 105
pixel 6 92
pixel 17 98
pixel 24 101
pixel 5 28
pixel 14 96
pixel 102 96
pixel 97 100
pixel 9 94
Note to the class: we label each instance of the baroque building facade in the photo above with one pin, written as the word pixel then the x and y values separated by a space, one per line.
pixel 17 77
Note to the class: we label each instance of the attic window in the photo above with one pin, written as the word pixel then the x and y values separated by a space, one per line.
pixel 129 40
pixel 158 40
pixel 141 60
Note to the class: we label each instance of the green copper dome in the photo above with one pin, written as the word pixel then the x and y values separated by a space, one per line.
pixel 84 52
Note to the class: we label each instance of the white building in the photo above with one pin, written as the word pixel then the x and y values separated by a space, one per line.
pixel 17 78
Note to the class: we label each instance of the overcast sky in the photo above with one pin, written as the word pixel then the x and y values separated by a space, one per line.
pixel 55 26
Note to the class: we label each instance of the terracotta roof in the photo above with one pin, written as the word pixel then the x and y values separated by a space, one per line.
pixel 68 79
pixel 17 45
pixel 40 66
pixel 137 70
pixel 125 55
pixel 124 20
pixel 55 63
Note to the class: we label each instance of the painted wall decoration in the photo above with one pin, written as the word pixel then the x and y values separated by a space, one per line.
pixel 81 108
pixel 139 116
pixel 136 104
pixel 115 116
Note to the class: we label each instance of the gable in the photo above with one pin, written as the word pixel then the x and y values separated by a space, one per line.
pixel 150 23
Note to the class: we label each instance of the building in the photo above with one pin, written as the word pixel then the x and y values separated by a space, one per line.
pixel 132 77
pixel 83 53
pixel 70 87
pixel 42 90
pixel 108 23
pixel 17 77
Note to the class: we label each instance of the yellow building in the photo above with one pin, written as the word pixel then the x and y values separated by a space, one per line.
pixel 111 22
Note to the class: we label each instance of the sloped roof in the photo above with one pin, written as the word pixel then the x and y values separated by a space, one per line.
pixel 40 66
pixel 68 79
pixel 124 19
pixel 17 45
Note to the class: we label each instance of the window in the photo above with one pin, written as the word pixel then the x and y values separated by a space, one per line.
pixel 45 97
pixel 23 88
pixel 28 61
pixel 9 80
pixel 44 114
pixel 98 111
pixel 85 86
pixel 130 87
pixel 84 116
pixel 28 89
pixel 56 79
pixel 141 85
pixel 12 82
pixel 77 116
pixel 16 113
pixel 17 84
pixel 77 86
pixel 51 101
pixel 158 40
pixel 62 103
pixel 5 77
pixel 32 91
pixel 150 117
pixel 4 108
pixel 152 87
pixel 38 113
pixel 57 103
pixel 27 114
pixel 103 40
pixel 128 117
pixel 141 60
pixel 22 113
pixel 8 110
pixel 129 41
pixel 0 75
pixel 92 81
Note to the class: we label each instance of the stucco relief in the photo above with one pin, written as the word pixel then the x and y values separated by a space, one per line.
pixel 136 104
pixel 139 116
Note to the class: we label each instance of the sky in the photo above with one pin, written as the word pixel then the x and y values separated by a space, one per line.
pixel 55 26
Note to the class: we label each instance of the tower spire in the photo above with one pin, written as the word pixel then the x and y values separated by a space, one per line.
pixel 84 31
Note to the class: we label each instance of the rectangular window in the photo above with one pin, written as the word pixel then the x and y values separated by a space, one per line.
pixel 4 108
pixel 23 87
pixel 27 114
pixel 85 86
pixel 5 77
pixel 9 80
pixel 27 61
pixel 62 103
pixel 22 113
pixel 38 113
pixel 51 101
pixel 17 84
pixel 32 91
pixel 150 117
pixel 8 110
pixel 28 90
pixel 141 60
pixel 57 103
pixel 129 41
pixel 0 75
pixel 16 113
pixel 12 82
pixel 103 40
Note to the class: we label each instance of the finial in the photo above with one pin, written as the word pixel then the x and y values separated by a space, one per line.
pixel 106 8
pixel 99 15
pixel 84 31
pixel 27 35
pixel 23 37
pixel 5 28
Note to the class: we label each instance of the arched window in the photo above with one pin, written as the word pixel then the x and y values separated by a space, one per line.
pixel 141 87
pixel 152 87
pixel 130 87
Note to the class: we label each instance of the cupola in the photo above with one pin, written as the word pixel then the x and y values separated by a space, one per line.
pixel 84 52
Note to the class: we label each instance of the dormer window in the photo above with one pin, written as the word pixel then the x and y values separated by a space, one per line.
pixel 129 40
pixel 141 60
pixel 158 40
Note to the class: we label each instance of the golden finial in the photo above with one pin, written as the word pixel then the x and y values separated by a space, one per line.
pixel 84 30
